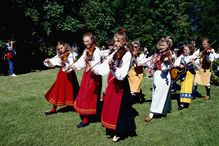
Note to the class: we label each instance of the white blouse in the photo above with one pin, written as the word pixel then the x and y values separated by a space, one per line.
pixel 183 59
pixel 56 61
pixel 138 59
pixel 211 57
pixel 80 63
pixel 121 69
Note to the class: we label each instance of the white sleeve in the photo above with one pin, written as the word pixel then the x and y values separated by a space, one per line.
pixel 122 71
pixel 145 61
pixel 69 62
pixel 177 61
pixel 196 54
pixel 80 63
pixel 95 58
pixel 140 58
pixel 102 69
pixel 54 61
pixel 212 56
pixel 104 53
pixel 216 55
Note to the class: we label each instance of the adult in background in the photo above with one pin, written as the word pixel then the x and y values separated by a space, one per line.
pixel 9 56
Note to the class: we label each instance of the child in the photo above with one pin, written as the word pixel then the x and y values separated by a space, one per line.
pixel 65 87
pixel 135 75
pixel 161 79
pixel 184 61
pixel 203 67
pixel 86 103
pixel 117 114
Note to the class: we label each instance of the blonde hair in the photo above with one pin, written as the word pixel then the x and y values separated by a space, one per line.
pixel 121 35
pixel 167 39
pixel 205 39
pixel 90 35
pixel 68 48
pixel 136 43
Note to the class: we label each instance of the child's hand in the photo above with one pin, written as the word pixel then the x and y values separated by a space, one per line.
pixel 46 61
pixel 63 64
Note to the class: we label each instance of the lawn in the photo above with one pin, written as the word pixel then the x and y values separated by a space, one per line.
pixel 23 123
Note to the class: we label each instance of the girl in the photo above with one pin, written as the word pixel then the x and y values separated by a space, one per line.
pixel 206 56
pixel 135 75
pixel 161 79
pixel 117 113
pixel 65 88
pixel 86 103
pixel 187 78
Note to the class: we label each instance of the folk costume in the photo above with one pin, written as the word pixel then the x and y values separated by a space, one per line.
pixel 186 79
pixel 203 70
pixel 161 100
pixel 135 76
pixel 117 113
pixel 86 103
pixel 65 88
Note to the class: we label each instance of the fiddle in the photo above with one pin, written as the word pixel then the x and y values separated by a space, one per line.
pixel 165 55
pixel 89 53
pixel 136 53
pixel 117 56
pixel 205 64
pixel 89 56
pixel 64 56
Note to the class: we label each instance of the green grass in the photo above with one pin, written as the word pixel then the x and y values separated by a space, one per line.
pixel 22 120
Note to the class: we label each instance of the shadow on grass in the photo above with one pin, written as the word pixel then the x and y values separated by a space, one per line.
pixel 66 109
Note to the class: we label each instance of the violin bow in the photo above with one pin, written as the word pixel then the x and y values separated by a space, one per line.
pixel 101 60
pixel 206 48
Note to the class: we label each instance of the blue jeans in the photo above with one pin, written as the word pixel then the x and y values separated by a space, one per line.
pixel 11 67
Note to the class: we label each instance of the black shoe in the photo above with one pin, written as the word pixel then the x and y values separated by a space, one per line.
pixel 181 107
pixel 81 124
pixel 50 112
pixel 142 100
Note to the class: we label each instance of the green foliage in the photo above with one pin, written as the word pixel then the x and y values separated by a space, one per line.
pixel 2 43
pixel 208 14
pixel 215 77
pixel 145 20
pixel 99 18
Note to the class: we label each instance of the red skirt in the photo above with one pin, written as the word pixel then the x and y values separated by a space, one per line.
pixel 112 102
pixel 86 101
pixel 62 92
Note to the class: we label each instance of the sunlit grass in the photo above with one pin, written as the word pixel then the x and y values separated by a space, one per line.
pixel 22 120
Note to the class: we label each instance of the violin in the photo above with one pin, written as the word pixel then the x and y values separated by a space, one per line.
pixel 136 53
pixel 89 53
pixel 118 56
pixel 89 56
pixel 205 64
pixel 64 56
pixel 166 54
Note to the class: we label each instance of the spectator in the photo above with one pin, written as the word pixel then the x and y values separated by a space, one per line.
pixel 9 56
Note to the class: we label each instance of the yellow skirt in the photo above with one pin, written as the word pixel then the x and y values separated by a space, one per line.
pixel 186 88
pixel 203 77
pixel 135 80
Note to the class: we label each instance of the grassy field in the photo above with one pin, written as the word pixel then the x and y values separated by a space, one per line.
pixel 22 119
